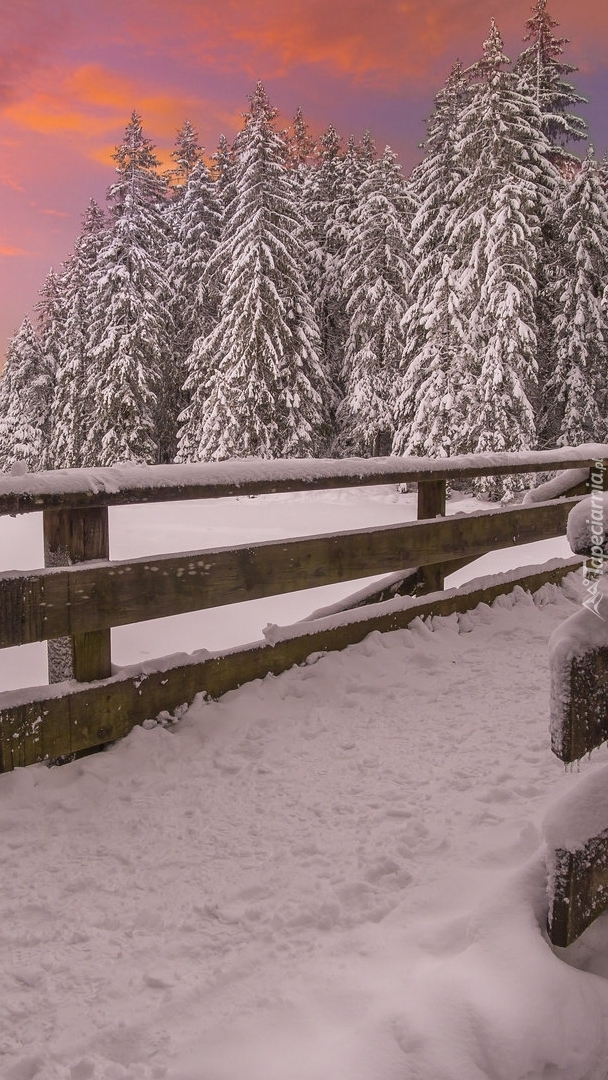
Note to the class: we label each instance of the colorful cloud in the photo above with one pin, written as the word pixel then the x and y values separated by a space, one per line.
pixel 9 251
pixel 72 71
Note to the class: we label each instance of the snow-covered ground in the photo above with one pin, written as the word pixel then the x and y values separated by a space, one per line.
pixel 335 874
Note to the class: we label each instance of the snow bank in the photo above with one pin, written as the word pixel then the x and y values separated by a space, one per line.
pixel 588 525
pixel 335 874
pixel 580 814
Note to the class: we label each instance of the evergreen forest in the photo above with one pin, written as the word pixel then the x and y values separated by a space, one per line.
pixel 292 297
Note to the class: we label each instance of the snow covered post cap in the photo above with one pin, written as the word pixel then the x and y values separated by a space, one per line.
pixel 578 649
pixel 587 530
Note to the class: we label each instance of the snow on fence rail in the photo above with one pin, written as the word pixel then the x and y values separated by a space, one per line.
pixel 80 594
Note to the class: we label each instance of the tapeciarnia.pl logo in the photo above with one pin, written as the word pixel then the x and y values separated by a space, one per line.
pixel 593 568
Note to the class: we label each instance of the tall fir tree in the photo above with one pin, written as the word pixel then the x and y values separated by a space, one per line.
pixel 432 397
pixel 223 170
pixel 52 312
pixel 377 270
pixel 323 203
pixel 194 289
pixel 26 387
pixel 541 72
pixel 72 406
pixel 257 384
pixel 507 367
pixel 495 231
pixel 577 393
pixel 187 154
pixel 301 147
pixel 131 374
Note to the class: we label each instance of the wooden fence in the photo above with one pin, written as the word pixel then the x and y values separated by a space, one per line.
pixel 80 594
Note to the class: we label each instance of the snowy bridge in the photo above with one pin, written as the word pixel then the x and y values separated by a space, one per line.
pixel 80 594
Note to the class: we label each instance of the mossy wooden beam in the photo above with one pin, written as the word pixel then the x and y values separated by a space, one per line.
pixel 583 725
pixel 431 504
pixel 579 889
pixel 36 725
pixel 83 599
pixel 76 536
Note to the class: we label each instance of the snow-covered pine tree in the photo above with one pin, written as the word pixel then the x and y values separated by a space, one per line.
pixel 543 77
pixel 432 394
pixel 436 392
pixel 257 384
pixel 194 289
pixel 323 202
pixel 187 154
pixel 26 387
pixel 131 375
pixel 356 166
pixel 548 270
pixel 577 393
pixel 301 147
pixel 504 419
pixel 541 72
pixel 223 171
pixel 603 172
pixel 72 406
pixel 377 269
pixel 495 231
pixel 51 311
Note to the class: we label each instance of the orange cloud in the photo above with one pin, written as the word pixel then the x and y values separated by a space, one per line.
pixel 90 103
pixel 383 42
pixel 8 251
pixel 50 212
pixel 9 181
pixel 30 31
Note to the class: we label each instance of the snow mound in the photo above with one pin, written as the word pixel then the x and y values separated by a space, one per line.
pixel 334 874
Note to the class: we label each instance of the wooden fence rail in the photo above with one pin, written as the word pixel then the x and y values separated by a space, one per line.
pixel 80 594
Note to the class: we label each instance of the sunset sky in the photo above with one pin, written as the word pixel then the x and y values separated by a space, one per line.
pixel 72 71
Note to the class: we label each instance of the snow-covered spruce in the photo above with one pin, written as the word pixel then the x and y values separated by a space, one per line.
pixel 26 388
pixel 494 230
pixel 257 381
pixel 73 408
pixel 541 71
pixel 130 336
pixel 196 217
pixel 323 201
pixel 376 276
pixel 430 404
pixel 577 388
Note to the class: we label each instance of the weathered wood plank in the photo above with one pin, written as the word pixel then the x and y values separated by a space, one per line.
pixel 84 599
pixel 582 724
pixel 170 483
pixel 431 504
pixel 77 536
pixel 47 725
pixel 579 889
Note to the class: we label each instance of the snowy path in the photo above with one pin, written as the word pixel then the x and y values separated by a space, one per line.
pixel 335 874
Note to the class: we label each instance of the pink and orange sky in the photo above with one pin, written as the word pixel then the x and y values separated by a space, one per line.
pixel 72 71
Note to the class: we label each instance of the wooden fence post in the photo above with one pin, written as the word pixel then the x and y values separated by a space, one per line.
pixel 578 868
pixel 73 536
pixel 431 504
